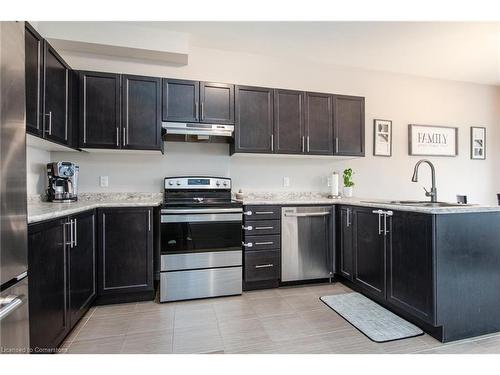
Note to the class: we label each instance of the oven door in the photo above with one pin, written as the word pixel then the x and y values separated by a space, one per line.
pixel 200 230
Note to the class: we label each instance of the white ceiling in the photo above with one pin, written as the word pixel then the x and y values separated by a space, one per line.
pixel 463 51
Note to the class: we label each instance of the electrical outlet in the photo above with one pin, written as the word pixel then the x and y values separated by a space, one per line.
pixel 103 181
pixel 286 181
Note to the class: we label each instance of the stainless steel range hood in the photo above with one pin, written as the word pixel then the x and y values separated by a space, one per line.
pixel 196 132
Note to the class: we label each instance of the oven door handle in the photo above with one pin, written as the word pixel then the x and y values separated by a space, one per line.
pixel 200 210
pixel 200 218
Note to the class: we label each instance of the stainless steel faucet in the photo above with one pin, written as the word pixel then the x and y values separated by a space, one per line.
pixel 433 192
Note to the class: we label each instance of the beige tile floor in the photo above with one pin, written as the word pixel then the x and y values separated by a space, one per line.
pixel 285 320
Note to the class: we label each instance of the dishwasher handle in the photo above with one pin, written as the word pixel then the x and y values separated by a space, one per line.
pixel 308 214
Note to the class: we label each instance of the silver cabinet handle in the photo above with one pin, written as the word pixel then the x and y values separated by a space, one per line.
pixel 11 303
pixel 70 223
pixel 247 213
pixel 247 228
pixel 265 243
pixel 149 221
pixel 307 143
pixel 50 122
pixel 202 110
pixel 265 265
pixel 336 144
pixel 303 144
pixel 84 109
pixel 76 241
pixel 386 213
pixel 124 141
pixel 263 228
pixel 118 136
pixel 272 142
pixel 264 212
pixel 250 244
pixel 308 214
pixel 348 213
pixel 196 110
pixel 379 213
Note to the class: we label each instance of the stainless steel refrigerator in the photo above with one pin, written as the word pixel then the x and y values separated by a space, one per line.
pixel 14 323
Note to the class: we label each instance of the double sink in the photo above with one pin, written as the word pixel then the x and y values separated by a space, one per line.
pixel 421 203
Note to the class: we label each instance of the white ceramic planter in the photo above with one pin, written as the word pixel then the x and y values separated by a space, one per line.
pixel 348 191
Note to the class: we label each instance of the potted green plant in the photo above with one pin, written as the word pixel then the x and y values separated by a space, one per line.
pixel 348 183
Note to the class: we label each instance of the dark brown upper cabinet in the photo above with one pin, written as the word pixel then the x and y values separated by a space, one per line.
pixel 349 125
pixel 181 100
pixel 318 124
pixel 56 97
pixel 120 111
pixel 100 110
pixel 216 103
pixel 253 120
pixel 141 120
pixel 33 43
pixel 289 135
pixel 193 101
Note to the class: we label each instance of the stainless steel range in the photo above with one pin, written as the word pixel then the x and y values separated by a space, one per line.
pixel 200 239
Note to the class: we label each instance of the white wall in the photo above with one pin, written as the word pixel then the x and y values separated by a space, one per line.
pixel 400 98
pixel 36 161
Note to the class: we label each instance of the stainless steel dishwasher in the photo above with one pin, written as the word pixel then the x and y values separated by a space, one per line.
pixel 307 243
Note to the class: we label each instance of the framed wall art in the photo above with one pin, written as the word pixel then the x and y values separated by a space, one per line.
pixel 382 137
pixel 477 143
pixel 431 140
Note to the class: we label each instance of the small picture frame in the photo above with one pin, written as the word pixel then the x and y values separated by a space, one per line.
pixel 382 137
pixel 477 143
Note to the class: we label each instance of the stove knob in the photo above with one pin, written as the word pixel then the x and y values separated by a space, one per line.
pixel 171 183
pixel 217 183
pixel 178 183
pixel 225 183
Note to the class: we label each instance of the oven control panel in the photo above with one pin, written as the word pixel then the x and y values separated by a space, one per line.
pixel 194 183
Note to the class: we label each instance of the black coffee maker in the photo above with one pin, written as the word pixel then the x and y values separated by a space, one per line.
pixel 63 182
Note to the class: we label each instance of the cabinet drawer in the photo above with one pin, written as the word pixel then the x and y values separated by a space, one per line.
pixel 262 265
pixel 263 212
pixel 257 228
pixel 252 243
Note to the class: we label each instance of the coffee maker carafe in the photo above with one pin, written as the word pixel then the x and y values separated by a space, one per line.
pixel 63 182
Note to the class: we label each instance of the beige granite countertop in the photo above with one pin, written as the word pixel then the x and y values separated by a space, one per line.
pixel 41 211
pixel 303 198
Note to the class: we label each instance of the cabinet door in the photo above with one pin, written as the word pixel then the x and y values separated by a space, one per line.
pixel 346 256
pixel 82 266
pixel 216 103
pixel 33 44
pixel 48 304
pixel 181 100
pixel 141 121
pixel 99 110
pixel 254 119
pixel 349 125
pixel 289 122
pixel 318 124
pixel 125 251
pixel 56 97
pixel 410 274
pixel 369 251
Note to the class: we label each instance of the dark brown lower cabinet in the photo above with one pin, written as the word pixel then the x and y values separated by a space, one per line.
pixel 125 256
pixel 82 266
pixel 369 252
pixel 61 264
pixel 48 284
pixel 345 253
pixel 261 247
pixel 410 272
